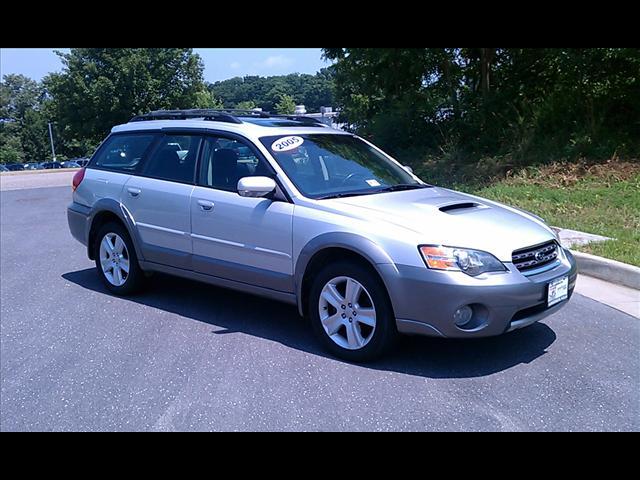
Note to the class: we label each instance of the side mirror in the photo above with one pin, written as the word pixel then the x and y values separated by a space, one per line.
pixel 256 186
pixel 408 168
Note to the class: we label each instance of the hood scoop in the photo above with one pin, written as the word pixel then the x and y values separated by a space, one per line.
pixel 460 207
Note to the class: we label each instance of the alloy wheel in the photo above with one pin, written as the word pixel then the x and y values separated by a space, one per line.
pixel 347 313
pixel 114 259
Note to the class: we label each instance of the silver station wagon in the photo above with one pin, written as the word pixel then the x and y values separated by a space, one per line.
pixel 288 208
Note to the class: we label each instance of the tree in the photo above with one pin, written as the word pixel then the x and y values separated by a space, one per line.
pixel 10 147
pixel 286 105
pixel 314 91
pixel 102 87
pixel 515 105
pixel 18 94
pixel 246 105
pixel 23 124
pixel 206 99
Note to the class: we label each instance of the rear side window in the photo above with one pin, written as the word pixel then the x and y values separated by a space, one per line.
pixel 123 152
pixel 174 159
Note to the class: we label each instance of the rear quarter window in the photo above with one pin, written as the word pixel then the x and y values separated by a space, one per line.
pixel 123 152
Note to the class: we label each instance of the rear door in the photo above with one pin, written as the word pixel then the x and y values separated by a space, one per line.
pixel 117 159
pixel 158 200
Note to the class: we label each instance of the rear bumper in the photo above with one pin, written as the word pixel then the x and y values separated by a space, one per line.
pixel 424 300
pixel 78 217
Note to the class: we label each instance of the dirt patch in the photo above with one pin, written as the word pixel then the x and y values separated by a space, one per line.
pixel 563 174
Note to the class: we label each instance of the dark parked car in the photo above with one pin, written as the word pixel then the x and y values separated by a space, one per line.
pixel 70 164
pixel 31 166
pixel 15 167
pixel 3 168
pixel 50 165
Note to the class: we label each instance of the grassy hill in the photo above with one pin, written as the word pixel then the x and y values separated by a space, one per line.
pixel 603 199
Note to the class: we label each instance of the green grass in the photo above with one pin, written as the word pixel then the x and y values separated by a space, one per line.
pixel 603 200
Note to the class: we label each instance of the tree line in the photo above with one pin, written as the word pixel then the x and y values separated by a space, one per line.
pixel 452 110
pixel 489 110
pixel 102 87
pixel 270 93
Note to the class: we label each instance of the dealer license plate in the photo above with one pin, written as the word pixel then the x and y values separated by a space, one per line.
pixel 558 291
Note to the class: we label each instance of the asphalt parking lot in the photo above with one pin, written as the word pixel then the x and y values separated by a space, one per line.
pixel 186 356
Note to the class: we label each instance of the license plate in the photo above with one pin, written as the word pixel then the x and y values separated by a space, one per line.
pixel 558 291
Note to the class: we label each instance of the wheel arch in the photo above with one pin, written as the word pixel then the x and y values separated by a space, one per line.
pixel 332 247
pixel 109 210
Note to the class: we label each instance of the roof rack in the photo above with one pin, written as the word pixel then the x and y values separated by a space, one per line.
pixel 229 115
pixel 246 113
pixel 217 115
pixel 301 119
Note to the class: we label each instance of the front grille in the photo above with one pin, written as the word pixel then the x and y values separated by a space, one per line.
pixel 535 257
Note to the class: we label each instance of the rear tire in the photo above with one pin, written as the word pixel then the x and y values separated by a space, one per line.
pixel 351 313
pixel 116 260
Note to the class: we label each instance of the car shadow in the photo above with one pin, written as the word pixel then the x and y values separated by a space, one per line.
pixel 230 312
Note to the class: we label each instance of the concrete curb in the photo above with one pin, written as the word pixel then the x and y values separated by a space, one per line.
pixel 609 270
pixel 41 171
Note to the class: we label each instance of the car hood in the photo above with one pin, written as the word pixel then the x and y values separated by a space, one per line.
pixel 440 216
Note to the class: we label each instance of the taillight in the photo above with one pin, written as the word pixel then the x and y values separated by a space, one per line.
pixel 77 178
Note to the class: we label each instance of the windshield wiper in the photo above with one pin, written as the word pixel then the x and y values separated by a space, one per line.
pixel 402 186
pixel 390 188
pixel 345 194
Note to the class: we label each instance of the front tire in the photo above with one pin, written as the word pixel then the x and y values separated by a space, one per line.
pixel 116 260
pixel 350 312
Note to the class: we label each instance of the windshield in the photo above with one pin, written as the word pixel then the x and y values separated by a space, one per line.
pixel 333 165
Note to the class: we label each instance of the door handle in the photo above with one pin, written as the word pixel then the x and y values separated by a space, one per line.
pixel 205 206
pixel 134 192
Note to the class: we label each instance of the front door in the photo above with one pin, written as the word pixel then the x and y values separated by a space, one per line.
pixel 247 240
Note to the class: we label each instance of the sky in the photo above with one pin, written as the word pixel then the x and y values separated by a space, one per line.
pixel 219 63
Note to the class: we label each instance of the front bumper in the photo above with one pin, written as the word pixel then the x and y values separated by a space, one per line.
pixel 425 300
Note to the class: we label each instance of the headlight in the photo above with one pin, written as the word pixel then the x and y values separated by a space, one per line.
pixel 471 262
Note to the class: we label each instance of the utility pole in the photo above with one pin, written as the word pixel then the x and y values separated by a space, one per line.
pixel 53 150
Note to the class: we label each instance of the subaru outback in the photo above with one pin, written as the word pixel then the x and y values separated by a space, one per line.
pixel 291 209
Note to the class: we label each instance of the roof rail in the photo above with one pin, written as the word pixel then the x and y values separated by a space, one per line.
pixel 206 114
pixel 229 115
pixel 217 115
pixel 245 112
pixel 301 118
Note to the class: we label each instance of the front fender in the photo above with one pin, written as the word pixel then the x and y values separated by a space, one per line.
pixel 358 244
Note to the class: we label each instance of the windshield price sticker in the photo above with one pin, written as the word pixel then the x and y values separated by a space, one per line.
pixel 286 143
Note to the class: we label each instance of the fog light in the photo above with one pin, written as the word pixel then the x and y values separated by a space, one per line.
pixel 463 315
